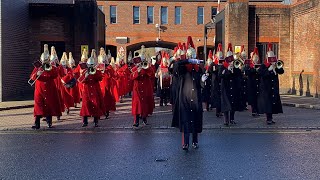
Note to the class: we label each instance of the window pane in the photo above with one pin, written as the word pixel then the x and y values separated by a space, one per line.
pixel 213 12
pixel 178 15
pixel 164 15
pixel 136 15
pixel 113 14
pixel 150 14
pixel 200 15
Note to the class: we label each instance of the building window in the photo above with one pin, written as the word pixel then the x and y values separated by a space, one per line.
pixel 150 14
pixel 177 15
pixel 263 48
pixel 136 15
pixel 101 8
pixel 200 15
pixel 164 15
pixel 113 14
pixel 213 12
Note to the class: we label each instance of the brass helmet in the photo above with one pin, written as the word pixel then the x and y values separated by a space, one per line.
pixel 130 57
pixel 64 59
pixel 191 51
pixel 143 52
pixel 255 56
pixel 45 55
pixel 219 53
pixel 102 56
pixel 93 59
pixel 71 62
pixel 229 52
pixel 244 54
pixel 54 57
pixel 210 58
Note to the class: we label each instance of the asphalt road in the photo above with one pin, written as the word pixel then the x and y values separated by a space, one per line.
pixel 129 154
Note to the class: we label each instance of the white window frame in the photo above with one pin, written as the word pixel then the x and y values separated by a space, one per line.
pixel 179 16
pixel 152 15
pixel 116 14
pixel 133 14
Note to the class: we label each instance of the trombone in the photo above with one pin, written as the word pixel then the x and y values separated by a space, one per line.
pixel 44 67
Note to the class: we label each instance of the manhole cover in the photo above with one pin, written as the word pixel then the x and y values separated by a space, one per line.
pixel 161 160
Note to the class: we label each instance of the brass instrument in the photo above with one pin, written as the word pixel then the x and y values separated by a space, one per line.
pixel 44 67
pixel 238 63
pixel 280 64
pixel 90 71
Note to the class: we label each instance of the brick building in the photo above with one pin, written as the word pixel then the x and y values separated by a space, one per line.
pixel 292 28
pixel 28 24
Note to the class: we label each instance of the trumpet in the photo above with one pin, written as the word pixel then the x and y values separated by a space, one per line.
pixel 238 63
pixel 279 64
pixel 44 67
pixel 89 70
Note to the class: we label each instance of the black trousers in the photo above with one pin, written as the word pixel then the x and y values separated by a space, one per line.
pixel 218 110
pixel 137 118
pixel 229 115
pixel 186 138
pixel 164 96
pixel 38 118
pixel 269 116
pixel 85 119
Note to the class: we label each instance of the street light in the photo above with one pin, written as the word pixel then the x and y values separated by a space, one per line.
pixel 210 25
pixel 159 31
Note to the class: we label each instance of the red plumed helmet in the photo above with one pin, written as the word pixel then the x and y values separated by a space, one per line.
pixel 270 54
pixel 229 55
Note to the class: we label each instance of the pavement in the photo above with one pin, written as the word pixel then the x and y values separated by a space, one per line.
pixel 299 113
pixel 158 155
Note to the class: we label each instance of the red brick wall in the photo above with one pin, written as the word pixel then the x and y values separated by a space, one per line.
pixel 236 20
pixel 147 32
pixel 305 44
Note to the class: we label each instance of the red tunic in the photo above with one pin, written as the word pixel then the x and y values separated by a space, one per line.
pixel 46 101
pixel 106 89
pixel 77 71
pixel 75 92
pixel 92 99
pixel 120 79
pixel 151 89
pixel 141 88
pixel 58 84
pixel 66 75
pixel 114 85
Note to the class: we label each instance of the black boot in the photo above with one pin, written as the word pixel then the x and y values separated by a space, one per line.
pixel 84 121
pixel 36 123
pixel 49 121
pixel 107 115
pixel 96 120
pixel 185 145
pixel 145 122
pixel 195 141
pixel 136 121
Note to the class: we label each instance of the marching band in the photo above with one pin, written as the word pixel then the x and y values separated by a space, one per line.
pixel 227 83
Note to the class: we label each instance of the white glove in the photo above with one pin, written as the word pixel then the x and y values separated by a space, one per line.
pixel 271 67
pixel 39 73
pixel 230 68
pixel 194 61
pixel 87 74
pixel 204 77
pixel 223 71
pixel 139 69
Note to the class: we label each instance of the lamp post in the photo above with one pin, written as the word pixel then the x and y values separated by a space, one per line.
pixel 210 25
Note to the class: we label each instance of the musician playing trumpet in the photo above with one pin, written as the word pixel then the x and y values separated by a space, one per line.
pixel 106 83
pixel 252 71
pixel 46 102
pixel 141 75
pixel 230 88
pixel 92 99
pixel 269 101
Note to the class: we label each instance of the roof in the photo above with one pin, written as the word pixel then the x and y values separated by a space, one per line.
pixel 51 1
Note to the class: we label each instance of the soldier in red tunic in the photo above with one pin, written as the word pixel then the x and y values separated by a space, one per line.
pixel 78 70
pixel 66 76
pixel 164 80
pixel 92 99
pixel 140 75
pixel 106 83
pixel 46 102
pixel 74 91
